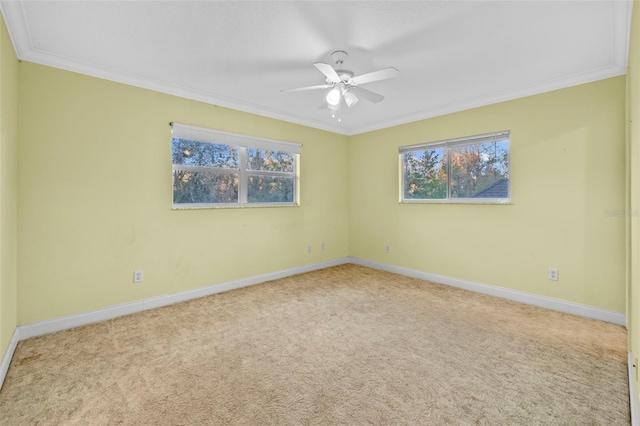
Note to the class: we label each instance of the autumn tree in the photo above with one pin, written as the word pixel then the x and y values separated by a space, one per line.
pixel 467 169
pixel 475 167
pixel 425 174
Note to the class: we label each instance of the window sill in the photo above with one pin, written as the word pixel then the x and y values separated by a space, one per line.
pixel 467 202
pixel 230 206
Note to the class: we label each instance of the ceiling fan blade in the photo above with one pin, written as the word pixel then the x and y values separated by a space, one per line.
pixel 328 71
pixel 367 94
pixel 376 76
pixel 300 89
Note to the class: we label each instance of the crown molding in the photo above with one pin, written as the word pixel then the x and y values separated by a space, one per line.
pixel 526 91
pixel 13 12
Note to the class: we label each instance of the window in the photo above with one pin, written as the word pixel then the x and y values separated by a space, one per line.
pixel 471 170
pixel 219 169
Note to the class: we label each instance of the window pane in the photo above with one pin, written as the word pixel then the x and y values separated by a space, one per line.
pixel 480 170
pixel 204 187
pixel 272 161
pixel 425 174
pixel 194 153
pixel 270 189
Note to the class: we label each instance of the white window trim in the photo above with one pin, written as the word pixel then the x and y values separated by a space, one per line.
pixel 201 134
pixel 448 143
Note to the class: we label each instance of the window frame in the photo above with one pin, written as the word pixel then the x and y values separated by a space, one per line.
pixel 242 143
pixel 447 144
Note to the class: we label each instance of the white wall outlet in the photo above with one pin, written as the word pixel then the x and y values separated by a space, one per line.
pixel 137 276
pixel 553 274
pixel 321 246
pixel 387 248
pixel 308 249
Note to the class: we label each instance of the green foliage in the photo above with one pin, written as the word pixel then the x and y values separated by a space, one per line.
pixel 425 175
pixel 202 181
pixel 269 189
pixel 272 161
pixel 472 168
pixel 194 153
pixel 204 187
pixel 195 187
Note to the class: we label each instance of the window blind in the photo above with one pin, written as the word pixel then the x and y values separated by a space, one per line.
pixel 489 137
pixel 201 134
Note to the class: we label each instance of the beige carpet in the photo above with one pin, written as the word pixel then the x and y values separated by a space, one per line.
pixel 345 345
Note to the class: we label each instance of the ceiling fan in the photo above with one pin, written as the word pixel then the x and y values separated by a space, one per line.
pixel 344 85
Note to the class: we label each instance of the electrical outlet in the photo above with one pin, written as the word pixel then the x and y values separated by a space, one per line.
pixel 137 276
pixel 321 246
pixel 387 248
pixel 308 249
pixel 553 274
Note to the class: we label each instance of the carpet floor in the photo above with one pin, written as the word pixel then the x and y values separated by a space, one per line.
pixel 343 345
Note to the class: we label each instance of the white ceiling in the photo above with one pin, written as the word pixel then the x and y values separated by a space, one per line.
pixel 452 55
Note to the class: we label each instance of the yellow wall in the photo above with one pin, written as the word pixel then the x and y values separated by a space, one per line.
pixel 567 168
pixel 95 198
pixel 633 190
pixel 8 188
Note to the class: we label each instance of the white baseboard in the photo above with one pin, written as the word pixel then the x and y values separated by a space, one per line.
pixel 64 323
pixel 6 359
pixel 635 417
pixel 504 293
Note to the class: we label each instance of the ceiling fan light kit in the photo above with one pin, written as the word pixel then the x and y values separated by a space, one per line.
pixel 344 84
pixel 350 98
pixel 333 97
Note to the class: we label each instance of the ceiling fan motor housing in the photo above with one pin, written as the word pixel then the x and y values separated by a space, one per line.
pixel 345 76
